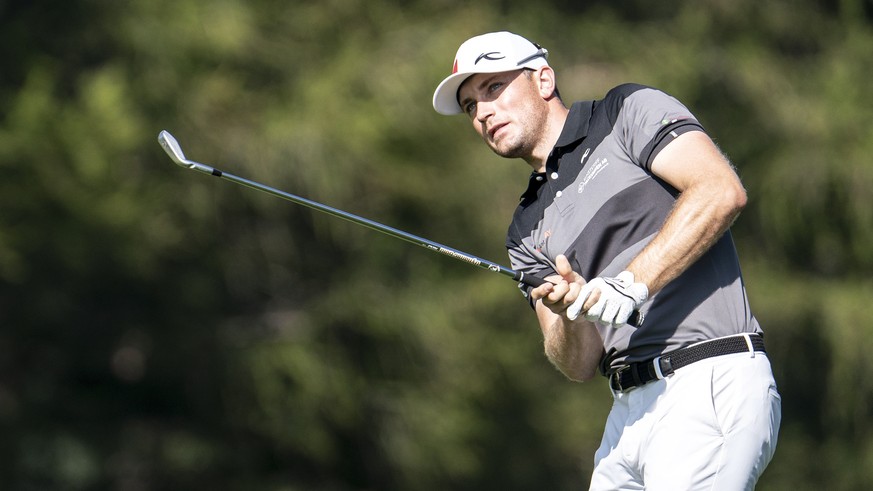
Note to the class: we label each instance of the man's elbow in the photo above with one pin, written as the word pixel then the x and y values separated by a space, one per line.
pixel 576 372
pixel 580 376
pixel 733 201
pixel 740 197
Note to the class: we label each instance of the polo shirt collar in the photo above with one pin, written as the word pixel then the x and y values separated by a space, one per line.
pixel 576 126
pixel 575 129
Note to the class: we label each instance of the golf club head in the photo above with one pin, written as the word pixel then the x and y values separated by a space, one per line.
pixel 171 146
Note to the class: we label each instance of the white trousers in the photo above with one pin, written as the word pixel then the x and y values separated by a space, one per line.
pixel 712 425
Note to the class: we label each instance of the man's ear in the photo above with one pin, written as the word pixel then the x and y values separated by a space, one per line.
pixel 546 82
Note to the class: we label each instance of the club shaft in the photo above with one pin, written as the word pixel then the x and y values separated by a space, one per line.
pixel 385 229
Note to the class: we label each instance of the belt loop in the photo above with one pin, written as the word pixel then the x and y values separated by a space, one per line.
pixel 749 343
pixel 615 392
pixel 657 364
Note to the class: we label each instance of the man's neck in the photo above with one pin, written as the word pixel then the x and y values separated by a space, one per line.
pixel 554 126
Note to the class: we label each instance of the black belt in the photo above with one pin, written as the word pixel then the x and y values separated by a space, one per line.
pixel 637 374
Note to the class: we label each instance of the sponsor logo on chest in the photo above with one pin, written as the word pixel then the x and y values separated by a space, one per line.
pixel 596 168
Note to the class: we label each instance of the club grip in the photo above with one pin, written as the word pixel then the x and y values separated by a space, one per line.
pixel 635 319
pixel 531 280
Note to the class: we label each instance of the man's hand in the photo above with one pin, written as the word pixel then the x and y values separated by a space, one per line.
pixel 563 288
pixel 615 299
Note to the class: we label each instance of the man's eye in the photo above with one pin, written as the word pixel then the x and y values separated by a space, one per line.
pixel 470 108
pixel 495 86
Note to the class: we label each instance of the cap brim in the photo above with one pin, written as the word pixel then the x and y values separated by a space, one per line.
pixel 445 97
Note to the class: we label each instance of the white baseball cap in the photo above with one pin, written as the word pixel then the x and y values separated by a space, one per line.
pixel 487 53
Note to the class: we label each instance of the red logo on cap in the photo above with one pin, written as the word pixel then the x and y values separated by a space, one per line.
pixel 455 67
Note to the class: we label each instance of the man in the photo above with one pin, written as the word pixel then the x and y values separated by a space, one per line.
pixel 627 210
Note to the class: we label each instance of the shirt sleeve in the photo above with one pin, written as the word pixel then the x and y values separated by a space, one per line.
pixel 522 258
pixel 649 120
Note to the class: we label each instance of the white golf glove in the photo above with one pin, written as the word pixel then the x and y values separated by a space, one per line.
pixel 619 298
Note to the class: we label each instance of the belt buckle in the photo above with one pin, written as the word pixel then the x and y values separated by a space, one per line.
pixel 615 378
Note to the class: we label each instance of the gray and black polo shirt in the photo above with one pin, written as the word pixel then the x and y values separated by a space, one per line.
pixel 599 204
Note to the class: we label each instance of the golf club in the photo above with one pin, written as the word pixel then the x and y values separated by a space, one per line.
pixel 171 146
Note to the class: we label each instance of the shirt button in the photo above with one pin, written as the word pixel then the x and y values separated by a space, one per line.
pixel 539 178
pixel 554 175
pixel 558 194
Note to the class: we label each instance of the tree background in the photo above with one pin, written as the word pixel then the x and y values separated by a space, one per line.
pixel 162 330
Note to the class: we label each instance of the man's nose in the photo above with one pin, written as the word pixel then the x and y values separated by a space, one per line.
pixel 484 110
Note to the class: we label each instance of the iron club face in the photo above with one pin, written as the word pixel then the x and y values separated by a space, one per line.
pixel 171 146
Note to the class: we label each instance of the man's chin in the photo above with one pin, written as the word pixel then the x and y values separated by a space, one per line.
pixel 507 152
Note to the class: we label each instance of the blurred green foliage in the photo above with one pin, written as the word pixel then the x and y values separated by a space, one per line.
pixel 162 330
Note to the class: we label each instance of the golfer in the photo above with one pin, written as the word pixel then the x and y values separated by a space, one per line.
pixel 627 210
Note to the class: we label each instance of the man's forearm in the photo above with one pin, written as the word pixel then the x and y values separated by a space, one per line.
pixel 573 347
pixel 699 218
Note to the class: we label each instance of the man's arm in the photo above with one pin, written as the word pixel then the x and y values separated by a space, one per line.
pixel 573 346
pixel 711 198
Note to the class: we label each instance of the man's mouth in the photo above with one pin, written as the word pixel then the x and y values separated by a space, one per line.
pixel 494 129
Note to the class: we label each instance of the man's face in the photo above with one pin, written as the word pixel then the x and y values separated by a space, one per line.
pixel 507 110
